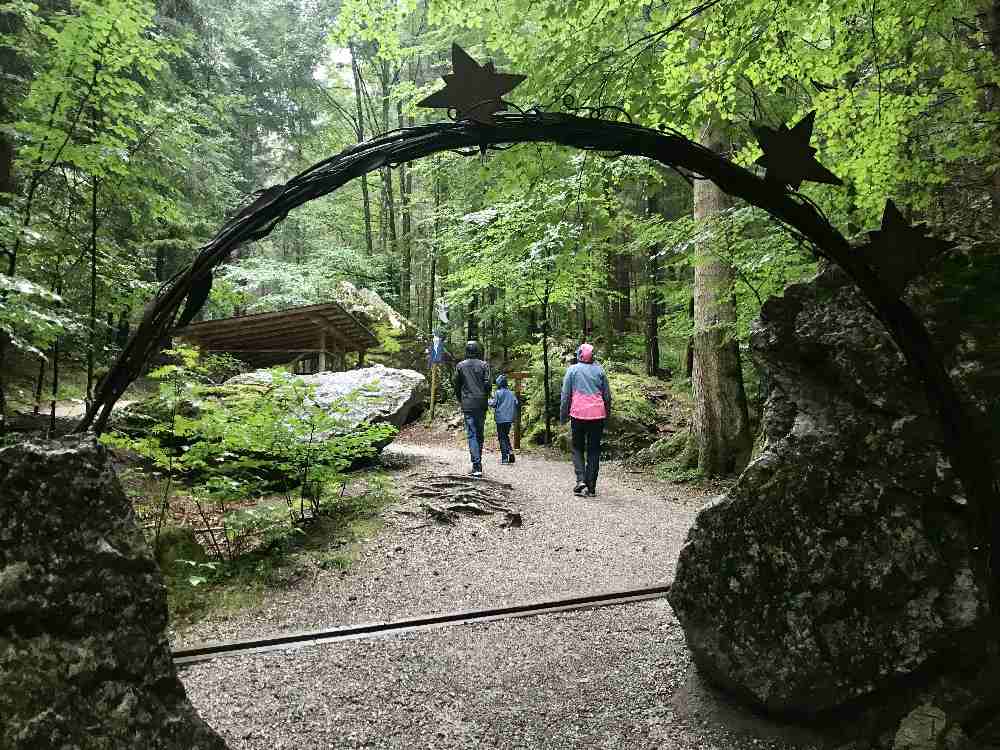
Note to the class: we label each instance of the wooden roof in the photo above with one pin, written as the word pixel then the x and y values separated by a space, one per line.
pixel 273 335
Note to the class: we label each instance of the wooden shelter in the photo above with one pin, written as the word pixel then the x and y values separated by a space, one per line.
pixel 312 338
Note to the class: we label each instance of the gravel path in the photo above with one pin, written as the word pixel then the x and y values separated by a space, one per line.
pixel 617 677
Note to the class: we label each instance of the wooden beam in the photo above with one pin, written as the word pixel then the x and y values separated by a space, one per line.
pixel 296 339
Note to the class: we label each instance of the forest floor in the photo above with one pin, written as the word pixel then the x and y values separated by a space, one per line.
pixel 617 677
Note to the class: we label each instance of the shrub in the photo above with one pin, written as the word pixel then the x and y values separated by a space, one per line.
pixel 239 443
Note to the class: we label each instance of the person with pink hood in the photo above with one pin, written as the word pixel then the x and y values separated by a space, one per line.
pixel 586 402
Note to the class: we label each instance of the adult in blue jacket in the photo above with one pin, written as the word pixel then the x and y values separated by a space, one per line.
pixel 586 402
pixel 505 406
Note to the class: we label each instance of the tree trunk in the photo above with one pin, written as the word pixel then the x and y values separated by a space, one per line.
pixel 360 131
pixel 989 102
pixel 430 293
pixel 720 425
pixel 92 337
pixel 406 256
pixel 653 303
pixel 472 319
pixel 55 388
pixel 9 62
pixel 619 278
pixel 433 253
pixel 547 375
pixel 689 347
pixel 6 169
pixel 39 385
pixel 390 199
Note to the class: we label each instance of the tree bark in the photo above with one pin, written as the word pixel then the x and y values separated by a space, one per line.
pixel 547 375
pixel 10 24
pixel 39 385
pixel 721 426
pixel 653 302
pixel 360 131
pixel 432 249
pixel 406 255
pixel 92 337
pixel 990 23
pixel 472 319
pixel 689 347
pixel 390 199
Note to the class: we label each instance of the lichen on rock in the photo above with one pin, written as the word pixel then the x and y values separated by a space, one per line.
pixel 84 658
pixel 843 561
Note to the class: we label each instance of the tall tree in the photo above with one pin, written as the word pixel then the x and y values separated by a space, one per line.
pixel 654 278
pixel 360 131
pixel 720 425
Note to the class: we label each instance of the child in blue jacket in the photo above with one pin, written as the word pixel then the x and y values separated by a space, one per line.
pixel 505 406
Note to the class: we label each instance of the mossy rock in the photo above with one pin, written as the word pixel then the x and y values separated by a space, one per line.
pixel 641 407
pixel 664 450
pixel 177 543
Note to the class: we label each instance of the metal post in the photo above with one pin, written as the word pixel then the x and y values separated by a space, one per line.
pixel 434 371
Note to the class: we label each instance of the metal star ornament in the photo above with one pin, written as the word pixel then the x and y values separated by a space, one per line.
pixel 899 252
pixel 788 157
pixel 474 91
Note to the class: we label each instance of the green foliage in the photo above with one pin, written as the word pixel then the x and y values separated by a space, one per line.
pixel 198 586
pixel 30 317
pixel 238 443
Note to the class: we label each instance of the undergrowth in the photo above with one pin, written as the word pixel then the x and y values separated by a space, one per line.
pixel 200 585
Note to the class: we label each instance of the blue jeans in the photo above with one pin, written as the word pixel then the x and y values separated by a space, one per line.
pixel 503 437
pixel 474 423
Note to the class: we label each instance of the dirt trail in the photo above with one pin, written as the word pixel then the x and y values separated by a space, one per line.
pixel 618 677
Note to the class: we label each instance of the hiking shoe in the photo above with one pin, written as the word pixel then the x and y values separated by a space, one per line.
pixel 477 473
pixel 592 492
pixel 585 492
pixel 580 488
pixel 510 458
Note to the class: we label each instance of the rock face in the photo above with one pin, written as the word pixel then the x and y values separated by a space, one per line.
pixel 373 395
pixel 841 563
pixel 84 658
pixel 370 307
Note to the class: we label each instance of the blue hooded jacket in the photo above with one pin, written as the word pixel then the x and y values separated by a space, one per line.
pixel 504 402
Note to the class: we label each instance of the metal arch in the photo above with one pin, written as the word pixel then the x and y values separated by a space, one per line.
pixel 967 453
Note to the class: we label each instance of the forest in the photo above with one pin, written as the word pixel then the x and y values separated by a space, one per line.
pixel 133 133
pixel 132 130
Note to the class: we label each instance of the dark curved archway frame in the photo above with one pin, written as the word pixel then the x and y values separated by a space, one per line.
pixel 968 453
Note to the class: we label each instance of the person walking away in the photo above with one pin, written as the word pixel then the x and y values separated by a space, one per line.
pixel 505 406
pixel 586 402
pixel 472 389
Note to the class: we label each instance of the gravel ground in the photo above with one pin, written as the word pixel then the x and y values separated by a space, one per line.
pixel 618 540
pixel 618 677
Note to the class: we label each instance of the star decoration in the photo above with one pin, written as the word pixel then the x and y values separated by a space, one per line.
pixel 788 157
pixel 899 252
pixel 474 91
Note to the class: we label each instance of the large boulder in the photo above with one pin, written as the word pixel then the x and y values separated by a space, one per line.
pixel 400 343
pixel 842 564
pixel 371 395
pixel 84 657
pixel 370 308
